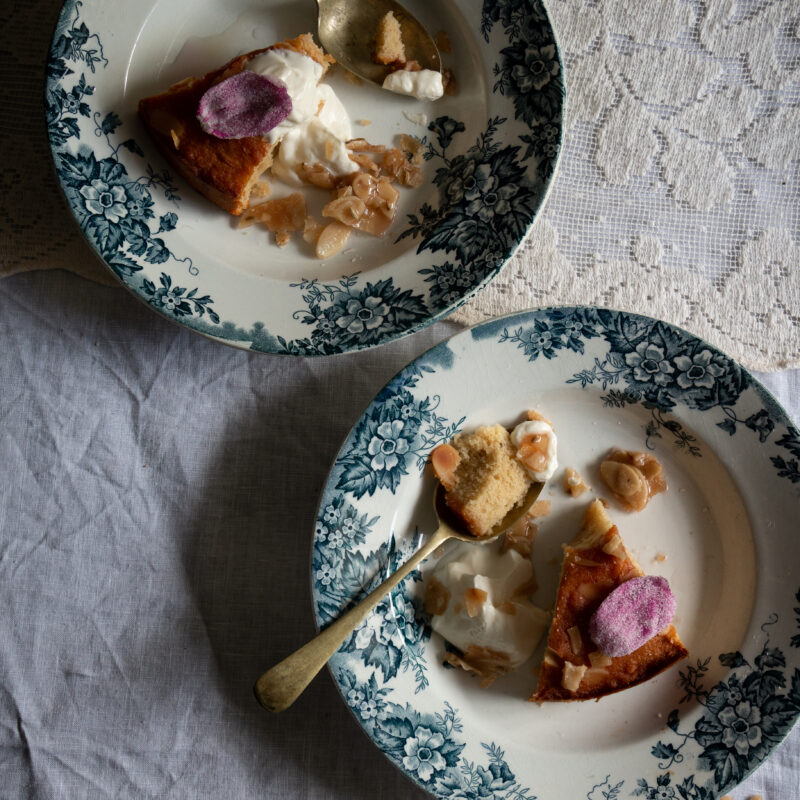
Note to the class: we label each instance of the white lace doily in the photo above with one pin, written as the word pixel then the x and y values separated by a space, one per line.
pixel 677 193
pixel 678 189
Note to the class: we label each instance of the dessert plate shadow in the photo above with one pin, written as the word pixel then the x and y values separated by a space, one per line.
pixel 490 151
pixel 723 534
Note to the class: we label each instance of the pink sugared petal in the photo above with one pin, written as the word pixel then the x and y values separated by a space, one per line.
pixel 246 104
pixel 631 615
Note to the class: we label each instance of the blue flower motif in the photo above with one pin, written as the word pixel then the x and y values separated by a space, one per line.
pixel 325 574
pixel 697 371
pixel 649 364
pixel 740 727
pixel 363 313
pixel 102 199
pixel 422 753
pixel 387 444
pixel 538 66
pixel 331 515
pixel 167 298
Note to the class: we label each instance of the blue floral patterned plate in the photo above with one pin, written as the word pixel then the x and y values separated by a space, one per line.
pixel 724 534
pixel 490 151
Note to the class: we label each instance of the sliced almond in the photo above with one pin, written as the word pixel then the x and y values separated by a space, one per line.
pixel 572 676
pixel 598 659
pixel 575 640
pixel 332 239
pixel 445 460
pixel 474 600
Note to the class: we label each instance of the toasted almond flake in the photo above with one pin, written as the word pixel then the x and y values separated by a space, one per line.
pixel 445 460
pixel 574 484
pixel 598 659
pixel 262 188
pixel 473 600
pixel 541 508
pixel 575 641
pixel 332 239
pixel 520 537
pixel 551 658
pixel 176 140
pixel 586 562
pixel 361 144
pixel 615 547
pixel 312 230
pixel 486 663
pixel 572 676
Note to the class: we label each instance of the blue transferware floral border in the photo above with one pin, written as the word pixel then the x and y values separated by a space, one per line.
pixel 489 194
pixel 640 361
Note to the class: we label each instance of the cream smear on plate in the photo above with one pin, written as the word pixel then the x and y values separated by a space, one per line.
pixel 506 621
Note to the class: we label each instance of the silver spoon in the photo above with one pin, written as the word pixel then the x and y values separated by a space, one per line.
pixel 346 29
pixel 280 686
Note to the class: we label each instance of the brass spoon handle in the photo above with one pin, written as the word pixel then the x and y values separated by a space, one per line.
pixel 280 686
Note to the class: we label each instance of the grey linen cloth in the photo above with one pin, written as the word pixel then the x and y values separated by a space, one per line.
pixel 157 500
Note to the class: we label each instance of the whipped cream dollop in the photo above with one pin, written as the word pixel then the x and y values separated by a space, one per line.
pixel 535 441
pixel 505 620
pixel 424 84
pixel 318 126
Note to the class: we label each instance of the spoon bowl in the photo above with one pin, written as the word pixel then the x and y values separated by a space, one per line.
pixel 281 685
pixel 346 29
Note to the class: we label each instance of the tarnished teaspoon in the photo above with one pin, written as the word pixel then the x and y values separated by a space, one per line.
pixel 346 29
pixel 280 686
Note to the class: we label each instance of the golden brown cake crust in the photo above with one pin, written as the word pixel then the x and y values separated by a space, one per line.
pixel 223 170
pixel 589 574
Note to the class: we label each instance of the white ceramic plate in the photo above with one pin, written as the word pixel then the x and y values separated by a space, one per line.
pixel 727 527
pixel 490 153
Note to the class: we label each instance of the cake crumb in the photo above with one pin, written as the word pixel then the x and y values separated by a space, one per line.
pixel 389 47
pixel 574 485
pixel 416 118
pixel 364 122
pixel 660 557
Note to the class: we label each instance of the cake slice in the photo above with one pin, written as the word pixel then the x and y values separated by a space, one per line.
pixel 223 170
pixel 574 668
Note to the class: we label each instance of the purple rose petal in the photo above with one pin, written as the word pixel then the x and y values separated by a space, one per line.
pixel 631 615
pixel 246 104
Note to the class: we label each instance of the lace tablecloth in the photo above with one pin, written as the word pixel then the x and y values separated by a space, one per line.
pixel 677 194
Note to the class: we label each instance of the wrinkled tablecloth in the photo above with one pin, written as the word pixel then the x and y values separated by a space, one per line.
pixel 155 515
pixel 157 499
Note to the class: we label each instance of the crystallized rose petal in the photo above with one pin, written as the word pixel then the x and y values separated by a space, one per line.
pixel 246 104
pixel 631 615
